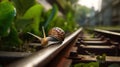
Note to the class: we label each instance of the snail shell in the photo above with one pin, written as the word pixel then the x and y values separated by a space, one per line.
pixel 57 33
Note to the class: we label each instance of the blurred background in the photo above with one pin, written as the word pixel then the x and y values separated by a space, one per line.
pixel 92 13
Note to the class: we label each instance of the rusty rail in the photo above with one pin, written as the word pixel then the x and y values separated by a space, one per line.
pixel 109 34
pixel 44 56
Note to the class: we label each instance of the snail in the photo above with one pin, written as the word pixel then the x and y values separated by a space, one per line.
pixel 55 35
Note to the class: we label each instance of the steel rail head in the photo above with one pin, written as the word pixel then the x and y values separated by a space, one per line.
pixel 107 32
pixel 113 36
pixel 42 57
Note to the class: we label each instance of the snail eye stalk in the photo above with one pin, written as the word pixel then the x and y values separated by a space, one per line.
pixel 39 38
pixel 43 32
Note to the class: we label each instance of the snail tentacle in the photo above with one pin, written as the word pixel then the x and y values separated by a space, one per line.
pixel 39 38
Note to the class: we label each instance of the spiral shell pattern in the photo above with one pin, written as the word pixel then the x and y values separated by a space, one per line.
pixel 57 33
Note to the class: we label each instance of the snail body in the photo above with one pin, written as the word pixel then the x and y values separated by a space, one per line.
pixel 44 41
pixel 55 35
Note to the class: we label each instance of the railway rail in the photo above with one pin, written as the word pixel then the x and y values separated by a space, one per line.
pixel 44 56
pixel 76 48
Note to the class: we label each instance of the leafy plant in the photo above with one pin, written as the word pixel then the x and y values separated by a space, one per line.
pixel 51 16
pixel 7 14
pixel 114 65
pixel 12 40
pixel 34 13
pixel 102 58
pixel 30 17
pixel 91 64
pixel 22 6
pixel 29 22
pixel 28 14
pixel 8 33
pixel 81 13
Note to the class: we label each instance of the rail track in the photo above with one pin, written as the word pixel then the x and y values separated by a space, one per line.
pixel 79 47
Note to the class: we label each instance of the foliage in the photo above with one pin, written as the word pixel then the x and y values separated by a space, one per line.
pixel 81 13
pixel 52 15
pixel 101 58
pixel 109 27
pixel 91 64
pixel 34 13
pixel 67 23
pixel 30 17
pixel 28 14
pixel 23 5
pixel 12 40
pixel 68 6
pixel 94 64
pixel 59 22
pixel 71 25
pixel 73 1
pixel 7 14
pixel 9 35
pixel 114 65
pixel 69 11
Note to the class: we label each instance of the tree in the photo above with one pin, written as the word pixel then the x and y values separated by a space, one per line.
pixel 81 13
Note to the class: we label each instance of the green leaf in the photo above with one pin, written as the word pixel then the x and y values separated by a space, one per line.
pixel 91 64
pixel 34 13
pixel 7 14
pixel 12 40
pixel 52 16
pixel 79 65
pixel 21 24
pixel 23 5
